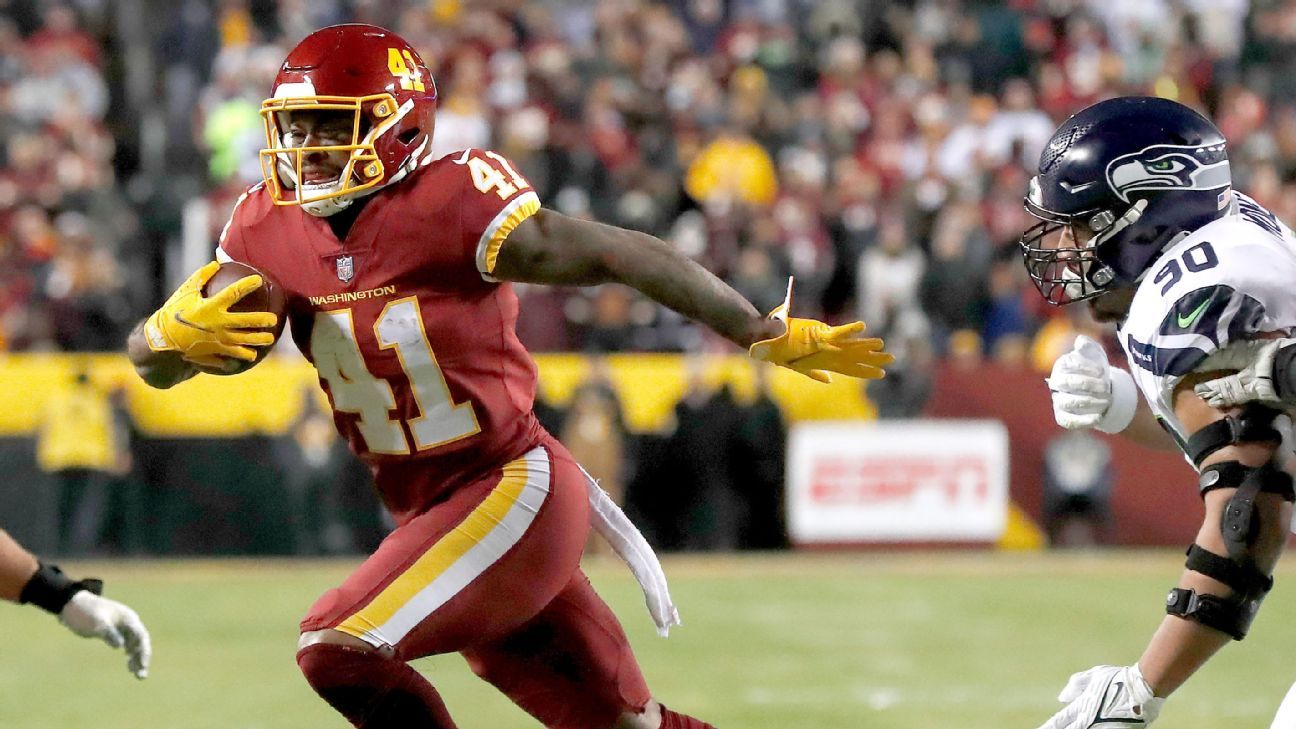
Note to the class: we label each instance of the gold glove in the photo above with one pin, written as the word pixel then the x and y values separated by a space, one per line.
pixel 201 327
pixel 815 349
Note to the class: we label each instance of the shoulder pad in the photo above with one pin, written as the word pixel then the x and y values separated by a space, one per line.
pixel 1227 282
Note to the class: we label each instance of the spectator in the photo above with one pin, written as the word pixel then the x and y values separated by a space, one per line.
pixel 77 442
pixel 953 288
pixel 758 457
pixel 61 36
pixel 55 81
pixel 1077 489
pixel 1006 315
pixel 699 491
pixel 463 118
pixel 889 275
pixel 594 431
pixel 732 168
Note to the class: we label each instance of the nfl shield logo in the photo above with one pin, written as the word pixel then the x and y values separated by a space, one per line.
pixel 345 268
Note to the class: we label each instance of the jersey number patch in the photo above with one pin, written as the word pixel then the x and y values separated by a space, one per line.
pixel 1198 258
pixel 487 177
pixel 355 390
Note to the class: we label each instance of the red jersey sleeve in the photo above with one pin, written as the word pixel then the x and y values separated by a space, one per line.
pixel 232 246
pixel 494 200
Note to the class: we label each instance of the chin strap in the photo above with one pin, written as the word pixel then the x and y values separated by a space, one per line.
pixel 332 206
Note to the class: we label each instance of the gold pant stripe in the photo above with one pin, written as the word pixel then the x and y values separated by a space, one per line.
pixel 459 557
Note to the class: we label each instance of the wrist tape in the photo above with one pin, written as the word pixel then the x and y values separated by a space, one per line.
pixel 50 589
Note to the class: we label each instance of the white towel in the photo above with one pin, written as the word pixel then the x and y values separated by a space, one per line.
pixel 613 525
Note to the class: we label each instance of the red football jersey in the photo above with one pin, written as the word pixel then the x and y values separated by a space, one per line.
pixel 413 340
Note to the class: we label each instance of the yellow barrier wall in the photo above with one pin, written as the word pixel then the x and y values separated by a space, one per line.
pixel 269 398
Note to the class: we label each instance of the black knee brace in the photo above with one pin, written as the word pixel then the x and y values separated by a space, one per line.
pixel 1253 425
pixel 1238 524
pixel 1231 615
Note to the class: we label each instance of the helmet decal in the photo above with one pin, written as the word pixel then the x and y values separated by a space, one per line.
pixel 1165 166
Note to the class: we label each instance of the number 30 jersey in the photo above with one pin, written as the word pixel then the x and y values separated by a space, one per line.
pixel 412 338
pixel 1224 283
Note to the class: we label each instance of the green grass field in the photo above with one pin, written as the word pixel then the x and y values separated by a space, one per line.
pixel 877 640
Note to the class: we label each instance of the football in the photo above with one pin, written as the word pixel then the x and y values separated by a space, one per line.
pixel 269 297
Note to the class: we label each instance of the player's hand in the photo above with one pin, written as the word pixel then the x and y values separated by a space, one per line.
pixel 815 349
pixel 1106 697
pixel 1252 383
pixel 202 328
pixel 1088 392
pixel 91 616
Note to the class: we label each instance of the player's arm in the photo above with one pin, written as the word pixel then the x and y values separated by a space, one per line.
pixel 1226 575
pixel 552 248
pixel 192 330
pixel 1268 375
pixel 158 369
pixel 25 579
pixel 1146 430
pixel 17 566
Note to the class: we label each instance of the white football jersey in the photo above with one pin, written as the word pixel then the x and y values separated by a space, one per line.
pixel 1223 284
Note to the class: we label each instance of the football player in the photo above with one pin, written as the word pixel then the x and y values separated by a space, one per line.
pixel 1138 217
pixel 396 269
pixel 78 605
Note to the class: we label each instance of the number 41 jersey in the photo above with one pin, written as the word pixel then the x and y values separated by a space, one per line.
pixel 413 340
pixel 1229 281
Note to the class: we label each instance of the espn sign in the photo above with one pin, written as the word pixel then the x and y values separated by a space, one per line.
pixel 897 481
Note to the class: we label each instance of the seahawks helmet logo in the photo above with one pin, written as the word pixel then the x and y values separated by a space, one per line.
pixel 1170 166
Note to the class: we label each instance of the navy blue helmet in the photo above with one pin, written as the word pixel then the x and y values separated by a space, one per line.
pixel 1138 172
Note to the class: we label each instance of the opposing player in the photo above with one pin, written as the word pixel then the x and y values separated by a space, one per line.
pixel 78 605
pixel 1138 217
pixel 396 266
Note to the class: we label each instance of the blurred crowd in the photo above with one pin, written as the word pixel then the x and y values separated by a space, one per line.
pixel 67 235
pixel 878 151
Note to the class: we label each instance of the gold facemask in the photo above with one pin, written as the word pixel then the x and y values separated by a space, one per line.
pixel 363 169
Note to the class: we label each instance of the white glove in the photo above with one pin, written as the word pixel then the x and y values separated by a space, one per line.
pixel 91 616
pixel 1254 382
pixel 1106 697
pixel 1089 393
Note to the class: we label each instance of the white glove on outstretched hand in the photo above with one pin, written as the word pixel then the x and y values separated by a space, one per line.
pixel 1252 383
pixel 91 616
pixel 1088 392
pixel 1106 697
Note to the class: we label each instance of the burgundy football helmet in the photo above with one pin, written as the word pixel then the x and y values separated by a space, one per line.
pixel 377 77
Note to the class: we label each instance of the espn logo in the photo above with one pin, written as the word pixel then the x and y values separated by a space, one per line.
pixel 879 480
